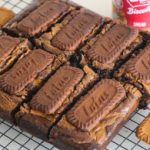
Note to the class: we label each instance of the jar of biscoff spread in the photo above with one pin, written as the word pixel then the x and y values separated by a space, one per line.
pixel 135 13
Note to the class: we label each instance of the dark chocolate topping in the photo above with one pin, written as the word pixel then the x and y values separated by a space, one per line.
pixel 41 17
pixel 139 66
pixel 94 106
pixel 24 71
pixel 107 48
pixel 76 30
pixel 56 90
pixel 7 45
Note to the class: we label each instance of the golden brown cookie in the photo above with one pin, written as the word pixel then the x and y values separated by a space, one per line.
pixel 5 15
pixel 143 131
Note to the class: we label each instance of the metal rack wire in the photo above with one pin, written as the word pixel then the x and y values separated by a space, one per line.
pixel 12 138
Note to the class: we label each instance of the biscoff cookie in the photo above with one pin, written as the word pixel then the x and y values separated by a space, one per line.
pixel 5 15
pixel 143 131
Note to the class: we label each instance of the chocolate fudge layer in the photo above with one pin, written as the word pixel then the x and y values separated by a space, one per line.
pixel 106 50
pixel 137 70
pixel 53 98
pixel 11 49
pixel 96 117
pixel 70 34
pixel 38 17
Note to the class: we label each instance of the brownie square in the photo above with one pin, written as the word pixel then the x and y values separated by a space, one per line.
pixel 25 71
pixel 110 48
pixel 11 49
pixel 54 98
pixel 93 121
pixel 67 36
pixel 136 71
pixel 59 91
pixel 38 17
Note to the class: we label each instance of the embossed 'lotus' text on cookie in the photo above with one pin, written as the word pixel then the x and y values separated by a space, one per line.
pixel 7 45
pixel 56 90
pixel 24 71
pixel 76 31
pixel 42 16
pixel 140 65
pixel 108 47
pixel 96 104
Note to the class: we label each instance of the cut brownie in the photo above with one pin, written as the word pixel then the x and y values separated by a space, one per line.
pixel 53 99
pixel 25 77
pixel 11 49
pixel 105 51
pixel 25 71
pixel 71 33
pixel 96 117
pixel 38 17
pixel 136 71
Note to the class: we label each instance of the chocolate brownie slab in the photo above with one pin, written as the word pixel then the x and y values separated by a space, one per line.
pixel 96 117
pixel 106 50
pixel 38 17
pixel 136 71
pixel 53 98
pixel 67 36
pixel 11 49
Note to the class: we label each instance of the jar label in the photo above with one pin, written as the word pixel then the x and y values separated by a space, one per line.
pixel 137 12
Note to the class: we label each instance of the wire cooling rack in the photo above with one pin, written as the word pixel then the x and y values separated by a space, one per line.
pixel 12 138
